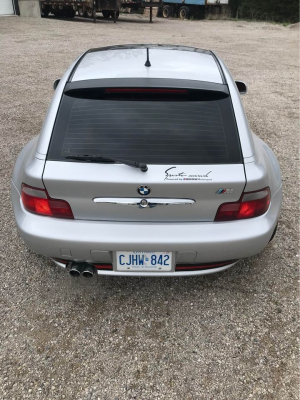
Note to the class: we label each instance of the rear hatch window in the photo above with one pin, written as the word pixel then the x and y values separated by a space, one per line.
pixel 184 127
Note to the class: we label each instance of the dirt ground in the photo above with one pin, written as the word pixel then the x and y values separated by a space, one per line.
pixel 226 336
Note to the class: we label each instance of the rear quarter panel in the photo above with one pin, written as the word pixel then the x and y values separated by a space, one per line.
pixel 265 170
pixel 28 168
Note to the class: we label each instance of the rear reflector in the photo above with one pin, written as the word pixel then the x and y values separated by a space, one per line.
pixel 250 205
pixel 103 266
pixel 38 202
pixel 60 260
pixel 195 267
pixel 145 90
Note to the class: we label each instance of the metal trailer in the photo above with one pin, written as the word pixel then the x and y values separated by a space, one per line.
pixel 184 9
pixel 89 8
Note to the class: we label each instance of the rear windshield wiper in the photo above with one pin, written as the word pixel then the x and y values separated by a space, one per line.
pixel 95 158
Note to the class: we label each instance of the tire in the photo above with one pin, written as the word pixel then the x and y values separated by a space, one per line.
pixel 71 13
pixel 106 14
pixel 90 13
pixel 81 12
pixel 45 13
pixel 112 14
pixel 201 12
pixel 167 11
pixel 184 12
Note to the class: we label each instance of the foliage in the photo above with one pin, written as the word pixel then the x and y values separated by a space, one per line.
pixel 268 10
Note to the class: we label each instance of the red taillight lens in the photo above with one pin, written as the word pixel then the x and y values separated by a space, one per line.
pixel 38 202
pixel 251 204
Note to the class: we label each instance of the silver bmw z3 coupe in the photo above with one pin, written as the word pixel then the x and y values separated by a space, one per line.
pixel 146 166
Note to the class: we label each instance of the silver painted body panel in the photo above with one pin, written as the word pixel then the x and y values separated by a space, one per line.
pixel 130 63
pixel 100 229
pixel 211 241
pixel 80 183
pixel 265 170
pixel 28 168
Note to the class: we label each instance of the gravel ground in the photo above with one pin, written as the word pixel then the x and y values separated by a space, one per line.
pixel 226 336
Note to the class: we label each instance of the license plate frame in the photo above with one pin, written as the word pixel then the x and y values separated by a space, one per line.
pixel 164 261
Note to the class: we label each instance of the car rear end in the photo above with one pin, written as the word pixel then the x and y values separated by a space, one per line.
pixel 196 216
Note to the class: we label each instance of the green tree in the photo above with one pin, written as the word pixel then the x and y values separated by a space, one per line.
pixel 268 10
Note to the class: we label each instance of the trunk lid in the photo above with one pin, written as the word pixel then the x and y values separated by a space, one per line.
pixel 79 183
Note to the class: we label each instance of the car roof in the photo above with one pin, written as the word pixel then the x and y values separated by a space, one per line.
pixel 167 61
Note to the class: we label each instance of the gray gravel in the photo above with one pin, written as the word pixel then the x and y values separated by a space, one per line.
pixel 226 336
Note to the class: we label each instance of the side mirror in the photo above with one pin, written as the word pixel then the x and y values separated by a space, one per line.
pixel 242 87
pixel 55 83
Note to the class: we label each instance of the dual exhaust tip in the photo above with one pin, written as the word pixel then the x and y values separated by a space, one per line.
pixel 84 269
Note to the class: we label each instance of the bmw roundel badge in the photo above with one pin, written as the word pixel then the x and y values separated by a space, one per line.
pixel 144 190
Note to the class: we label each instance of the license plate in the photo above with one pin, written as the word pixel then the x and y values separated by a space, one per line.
pixel 144 261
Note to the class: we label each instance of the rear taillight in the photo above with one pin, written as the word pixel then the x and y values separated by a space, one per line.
pixel 250 205
pixel 38 202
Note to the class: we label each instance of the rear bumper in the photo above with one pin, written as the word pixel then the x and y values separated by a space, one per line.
pixel 159 274
pixel 206 242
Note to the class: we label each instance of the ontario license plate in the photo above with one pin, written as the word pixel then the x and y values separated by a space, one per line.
pixel 144 261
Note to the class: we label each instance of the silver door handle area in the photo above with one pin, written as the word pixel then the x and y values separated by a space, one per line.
pixel 142 203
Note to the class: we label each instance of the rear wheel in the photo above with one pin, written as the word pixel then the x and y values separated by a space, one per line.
pixel 167 11
pixel 184 12
pixel 106 14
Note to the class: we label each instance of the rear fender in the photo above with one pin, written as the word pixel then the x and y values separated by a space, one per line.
pixel 28 168
pixel 264 171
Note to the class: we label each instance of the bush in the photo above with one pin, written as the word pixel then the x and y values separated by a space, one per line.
pixel 267 10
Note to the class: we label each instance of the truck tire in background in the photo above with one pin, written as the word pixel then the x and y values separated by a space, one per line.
pixel 70 13
pixel 45 12
pixel 108 13
pixel 167 11
pixel 90 13
pixel 112 14
pixel 184 12
pixel 180 9
pixel 81 12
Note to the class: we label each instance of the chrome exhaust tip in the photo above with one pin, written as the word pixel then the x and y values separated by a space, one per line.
pixel 76 269
pixel 88 271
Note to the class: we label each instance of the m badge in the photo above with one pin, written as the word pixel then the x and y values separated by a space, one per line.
pixel 224 191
